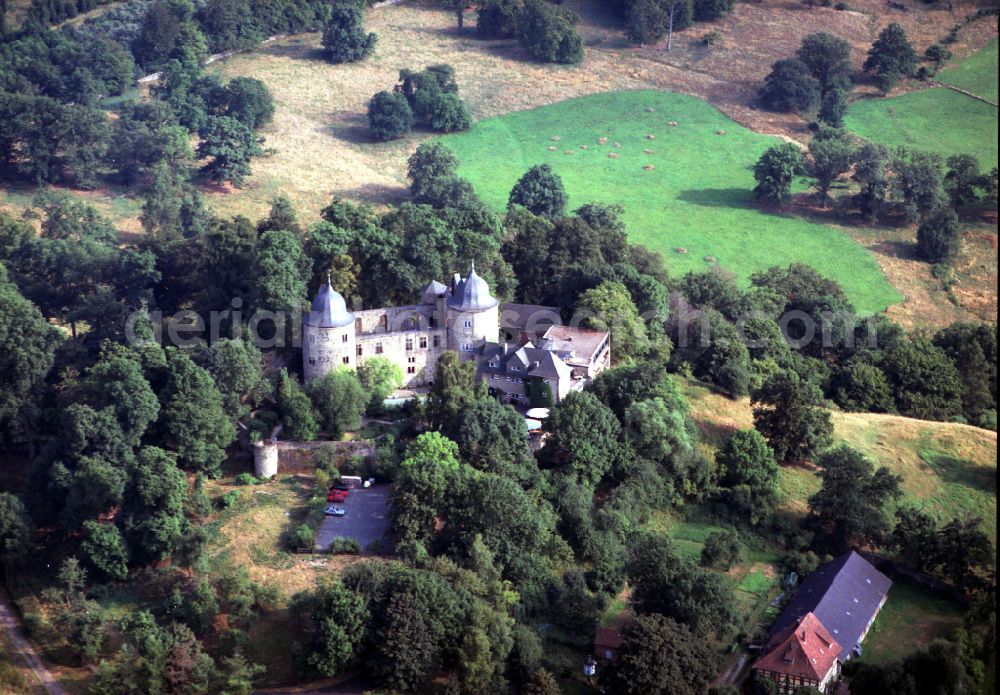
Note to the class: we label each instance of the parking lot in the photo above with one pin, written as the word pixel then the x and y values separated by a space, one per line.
pixel 366 521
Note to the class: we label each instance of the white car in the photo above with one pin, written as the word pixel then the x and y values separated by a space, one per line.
pixel 335 511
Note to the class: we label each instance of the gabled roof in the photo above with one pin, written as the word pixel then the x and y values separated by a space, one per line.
pixel 804 648
pixel 531 361
pixel 844 594
pixel 431 291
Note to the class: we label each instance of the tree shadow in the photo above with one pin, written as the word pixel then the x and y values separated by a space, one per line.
pixel 961 471
pixel 350 127
pixel 717 197
pixel 296 51
pixel 897 248
pixel 377 193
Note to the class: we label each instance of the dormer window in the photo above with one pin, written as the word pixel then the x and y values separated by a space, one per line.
pixel 493 365
pixel 514 368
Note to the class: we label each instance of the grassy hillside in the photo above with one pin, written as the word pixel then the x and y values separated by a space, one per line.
pixel 935 120
pixel 976 74
pixel 695 197
pixel 948 469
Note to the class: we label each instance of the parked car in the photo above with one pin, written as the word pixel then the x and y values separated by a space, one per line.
pixel 335 511
pixel 338 496
pixel 341 486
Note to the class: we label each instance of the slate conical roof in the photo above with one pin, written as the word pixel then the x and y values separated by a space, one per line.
pixel 329 310
pixel 472 294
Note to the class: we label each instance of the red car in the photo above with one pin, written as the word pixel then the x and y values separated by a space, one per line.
pixel 337 496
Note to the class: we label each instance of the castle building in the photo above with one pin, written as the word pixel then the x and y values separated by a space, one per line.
pixel 523 352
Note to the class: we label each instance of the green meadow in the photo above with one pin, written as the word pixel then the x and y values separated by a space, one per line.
pixel 686 188
pixel 933 120
pixel 976 74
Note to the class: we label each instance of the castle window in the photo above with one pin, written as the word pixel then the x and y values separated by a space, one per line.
pixel 411 360
pixel 347 360
pixel 493 365
pixel 359 350
pixel 343 338
pixel 468 323
pixel 312 360
pixel 423 342
pixel 514 368
pixel 437 341
pixel 409 343
pixel 357 325
pixel 411 370
pixel 378 348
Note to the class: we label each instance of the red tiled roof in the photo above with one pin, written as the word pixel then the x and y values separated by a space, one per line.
pixel 608 638
pixel 803 649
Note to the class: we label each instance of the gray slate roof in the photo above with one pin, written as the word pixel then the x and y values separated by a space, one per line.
pixel 472 294
pixel 844 594
pixel 329 310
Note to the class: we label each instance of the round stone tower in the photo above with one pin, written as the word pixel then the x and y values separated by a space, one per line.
pixel 473 314
pixel 328 340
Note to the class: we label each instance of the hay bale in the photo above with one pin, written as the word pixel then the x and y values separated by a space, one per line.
pixel 570 152
pixel 673 124
pixel 681 250
pixel 650 136
pixel 649 167
pixel 555 138
pixel 617 144
pixel 720 132
pixel 649 109
pixel 602 141
pixel 711 259
pixel 649 151
pixel 584 147
pixel 612 155
pixel 552 148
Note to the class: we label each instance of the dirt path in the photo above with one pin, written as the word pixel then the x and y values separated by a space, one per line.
pixel 11 625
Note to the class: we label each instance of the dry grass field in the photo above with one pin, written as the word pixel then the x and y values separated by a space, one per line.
pixel 319 141
pixel 948 469
pixel 318 144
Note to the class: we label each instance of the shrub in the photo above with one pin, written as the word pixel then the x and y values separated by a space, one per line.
pixel 303 538
pixel 721 549
pixel 389 116
pixel 938 236
pixel 541 191
pixel 325 458
pixel 841 6
pixel 711 38
pixel 549 35
pixel 340 546
pixel 344 36
pixel 448 114
pixel 712 9
pixel 790 87
pixel 499 19
pixel 245 479
pixel 229 499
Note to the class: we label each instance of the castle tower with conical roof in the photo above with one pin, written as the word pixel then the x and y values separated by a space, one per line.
pixel 328 335
pixel 473 315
